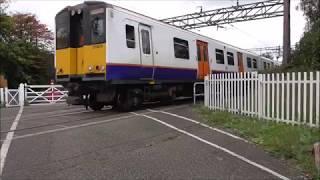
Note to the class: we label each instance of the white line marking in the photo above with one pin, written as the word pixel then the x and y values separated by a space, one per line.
pixel 46 113
pixel 70 127
pixel 7 142
pixel 60 125
pixel 201 124
pixel 217 147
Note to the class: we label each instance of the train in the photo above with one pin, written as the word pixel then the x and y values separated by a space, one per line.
pixel 109 55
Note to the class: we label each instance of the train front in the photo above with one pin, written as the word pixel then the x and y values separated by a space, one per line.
pixel 80 57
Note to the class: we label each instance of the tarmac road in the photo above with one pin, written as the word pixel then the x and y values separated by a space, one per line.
pixel 60 142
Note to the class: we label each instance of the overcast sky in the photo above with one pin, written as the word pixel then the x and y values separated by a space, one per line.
pixel 251 34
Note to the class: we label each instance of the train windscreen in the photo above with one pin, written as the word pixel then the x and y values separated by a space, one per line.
pixel 97 26
pixel 63 30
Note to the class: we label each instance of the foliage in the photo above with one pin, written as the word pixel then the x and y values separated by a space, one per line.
pixel 311 9
pixel 307 53
pixel 306 56
pixel 293 143
pixel 28 28
pixel 25 44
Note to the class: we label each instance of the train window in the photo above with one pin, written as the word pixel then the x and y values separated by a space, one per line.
pixel 205 55
pixel 145 41
pixel 131 43
pixel 97 27
pixel 268 65
pixel 230 58
pixel 219 56
pixel 249 65
pixel 264 65
pixel 254 63
pixel 199 53
pixel 181 48
pixel 62 30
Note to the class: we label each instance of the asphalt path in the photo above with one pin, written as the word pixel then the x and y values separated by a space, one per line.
pixel 157 142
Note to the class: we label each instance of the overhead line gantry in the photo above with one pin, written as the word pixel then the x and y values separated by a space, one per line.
pixel 233 14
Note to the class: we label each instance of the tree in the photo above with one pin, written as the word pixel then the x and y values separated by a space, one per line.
pixel 29 28
pixel 306 56
pixel 24 48
pixel 311 9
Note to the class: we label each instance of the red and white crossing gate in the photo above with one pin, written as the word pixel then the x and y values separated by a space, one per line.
pixel 32 94
pixel 45 94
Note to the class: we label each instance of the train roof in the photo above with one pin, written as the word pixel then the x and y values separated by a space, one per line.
pixel 107 5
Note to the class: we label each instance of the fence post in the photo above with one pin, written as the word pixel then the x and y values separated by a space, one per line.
pixel 21 94
pixel 1 96
pixel 311 99
pixel 194 93
pixel 317 99
pixel 206 90
pixel 25 92
pixel 6 96
pixel 278 97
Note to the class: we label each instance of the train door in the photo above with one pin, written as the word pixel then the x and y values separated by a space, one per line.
pixel 203 60
pixel 240 62
pixel 146 53
pixel 77 41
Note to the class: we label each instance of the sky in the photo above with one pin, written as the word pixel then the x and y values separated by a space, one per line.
pixel 246 35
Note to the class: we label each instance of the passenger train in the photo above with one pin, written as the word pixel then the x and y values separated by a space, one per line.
pixel 108 55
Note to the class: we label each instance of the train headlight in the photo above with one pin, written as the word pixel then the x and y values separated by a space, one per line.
pixel 90 68
pixel 73 12
pixel 79 11
pixel 102 68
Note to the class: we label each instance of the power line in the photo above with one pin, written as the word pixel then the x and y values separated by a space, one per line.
pixel 239 13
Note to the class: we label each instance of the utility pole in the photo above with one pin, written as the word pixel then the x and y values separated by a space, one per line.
pixel 286 32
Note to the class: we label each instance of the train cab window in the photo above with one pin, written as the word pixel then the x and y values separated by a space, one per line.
pixel 249 63
pixel 254 63
pixel 219 56
pixel 268 65
pixel 181 48
pixel 97 21
pixel 131 43
pixel 62 30
pixel 145 41
pixel 230 58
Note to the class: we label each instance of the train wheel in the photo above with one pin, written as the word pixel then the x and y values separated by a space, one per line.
pixel 124 103
pixel 170 99
pixel 93 104
pixel 96 107
pixel 127 101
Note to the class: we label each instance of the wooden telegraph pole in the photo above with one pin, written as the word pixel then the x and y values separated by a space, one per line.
pixel 286 32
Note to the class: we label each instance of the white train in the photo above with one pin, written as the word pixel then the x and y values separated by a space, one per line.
pixel 122 58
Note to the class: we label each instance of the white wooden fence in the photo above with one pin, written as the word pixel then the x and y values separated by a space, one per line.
pixel 12 97
pixel 285 97
pixel 32 94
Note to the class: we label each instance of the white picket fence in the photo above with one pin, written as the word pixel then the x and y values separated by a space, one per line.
pixel 32 94
pixel 283 97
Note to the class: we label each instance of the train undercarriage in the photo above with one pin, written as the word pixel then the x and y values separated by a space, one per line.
pixel 124 97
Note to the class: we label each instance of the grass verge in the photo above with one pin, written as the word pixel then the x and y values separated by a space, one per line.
pixel 285 141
